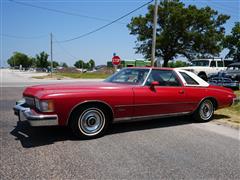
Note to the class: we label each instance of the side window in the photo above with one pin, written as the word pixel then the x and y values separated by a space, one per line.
pixel 164 77
pixel 129 75
pixel 220 63
pixel 213 64
pixel 126 77
pixel 188 79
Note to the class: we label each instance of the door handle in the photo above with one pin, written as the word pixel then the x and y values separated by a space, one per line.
pixel 181 91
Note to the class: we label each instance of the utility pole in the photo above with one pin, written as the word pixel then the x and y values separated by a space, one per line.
pixel 82 66
pixel 51 54
pixel 154 33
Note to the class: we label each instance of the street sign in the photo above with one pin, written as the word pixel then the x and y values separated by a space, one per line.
pixel 116 60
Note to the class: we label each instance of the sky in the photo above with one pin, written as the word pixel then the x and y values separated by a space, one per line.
pixel 27 29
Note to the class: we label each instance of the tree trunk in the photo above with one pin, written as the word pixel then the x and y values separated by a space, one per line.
pixel 165 63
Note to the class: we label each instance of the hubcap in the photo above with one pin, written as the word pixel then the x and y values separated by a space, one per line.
pixel 206 110
pixel 91 122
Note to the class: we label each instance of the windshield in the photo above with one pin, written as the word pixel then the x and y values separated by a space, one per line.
pixel 200 63
pixel 129 76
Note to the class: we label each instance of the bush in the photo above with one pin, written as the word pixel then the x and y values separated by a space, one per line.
pixel 177 64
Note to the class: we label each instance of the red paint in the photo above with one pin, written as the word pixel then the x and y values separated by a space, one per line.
pixel 128 100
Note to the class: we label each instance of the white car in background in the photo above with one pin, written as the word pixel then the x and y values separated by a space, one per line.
pixel 204 67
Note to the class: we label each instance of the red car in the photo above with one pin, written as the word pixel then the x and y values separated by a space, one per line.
pixel 130 94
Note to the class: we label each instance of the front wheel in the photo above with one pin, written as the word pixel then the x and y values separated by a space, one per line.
pixel 205 111
pixel 89 122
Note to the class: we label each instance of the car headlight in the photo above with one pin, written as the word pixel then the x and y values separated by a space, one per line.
pixel 44 105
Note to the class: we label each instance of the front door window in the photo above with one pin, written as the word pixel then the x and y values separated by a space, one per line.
pixel 163 77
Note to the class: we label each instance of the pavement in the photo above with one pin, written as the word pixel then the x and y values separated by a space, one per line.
pixel 171 148
pixel 16 78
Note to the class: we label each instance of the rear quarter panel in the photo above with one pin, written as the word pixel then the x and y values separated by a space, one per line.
pixel 195 95
pixel 224 96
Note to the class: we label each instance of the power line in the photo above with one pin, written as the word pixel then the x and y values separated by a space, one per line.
pixel 216 6
pixel 62 12
pixel 224 9
pixel 106 25
pixel 22 37
pixel 64 49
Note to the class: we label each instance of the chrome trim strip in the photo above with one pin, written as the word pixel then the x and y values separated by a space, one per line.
pixel 138 118
pixel 176 74
pixel 88 101
pixel 154 104
pixel 149 72
pixel 34 119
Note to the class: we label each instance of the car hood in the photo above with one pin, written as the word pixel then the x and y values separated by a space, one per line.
pixel 50 89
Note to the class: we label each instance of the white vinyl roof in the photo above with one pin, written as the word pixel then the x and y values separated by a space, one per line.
pixel 199 80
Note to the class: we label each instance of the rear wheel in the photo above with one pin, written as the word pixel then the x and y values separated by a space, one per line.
pixel 205 111
pixel 89 121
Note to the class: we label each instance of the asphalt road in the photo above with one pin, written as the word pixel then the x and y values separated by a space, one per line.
pixel 174 148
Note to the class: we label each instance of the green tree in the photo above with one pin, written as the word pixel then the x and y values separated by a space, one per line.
pixel 91 64
pixel 63 64
pixel 11 62
pixel 177 64
pixel 86 65
pixel 34 61
pixel 55 64
pixel 42 60
pixel 232 42
pixel 79 64
pixel 18 59
pixel 187 31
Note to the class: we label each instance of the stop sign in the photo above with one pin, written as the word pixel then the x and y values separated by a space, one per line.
pixel 116 60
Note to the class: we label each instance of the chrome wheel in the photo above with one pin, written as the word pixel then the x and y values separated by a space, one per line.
pixel 206 110
pixel 91 121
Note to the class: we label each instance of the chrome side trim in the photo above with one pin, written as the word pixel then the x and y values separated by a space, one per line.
pixel 144 82
pixel 154 104
pixel 122 119
pixel 87 101
pixel 138 118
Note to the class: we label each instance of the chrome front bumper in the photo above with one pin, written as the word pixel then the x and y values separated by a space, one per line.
pixel 35 119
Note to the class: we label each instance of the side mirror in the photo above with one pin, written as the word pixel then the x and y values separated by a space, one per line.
pixel 153 84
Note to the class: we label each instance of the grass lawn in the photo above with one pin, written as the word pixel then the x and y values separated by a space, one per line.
pixel 75 76
pixel 84 75
pixel 230 115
